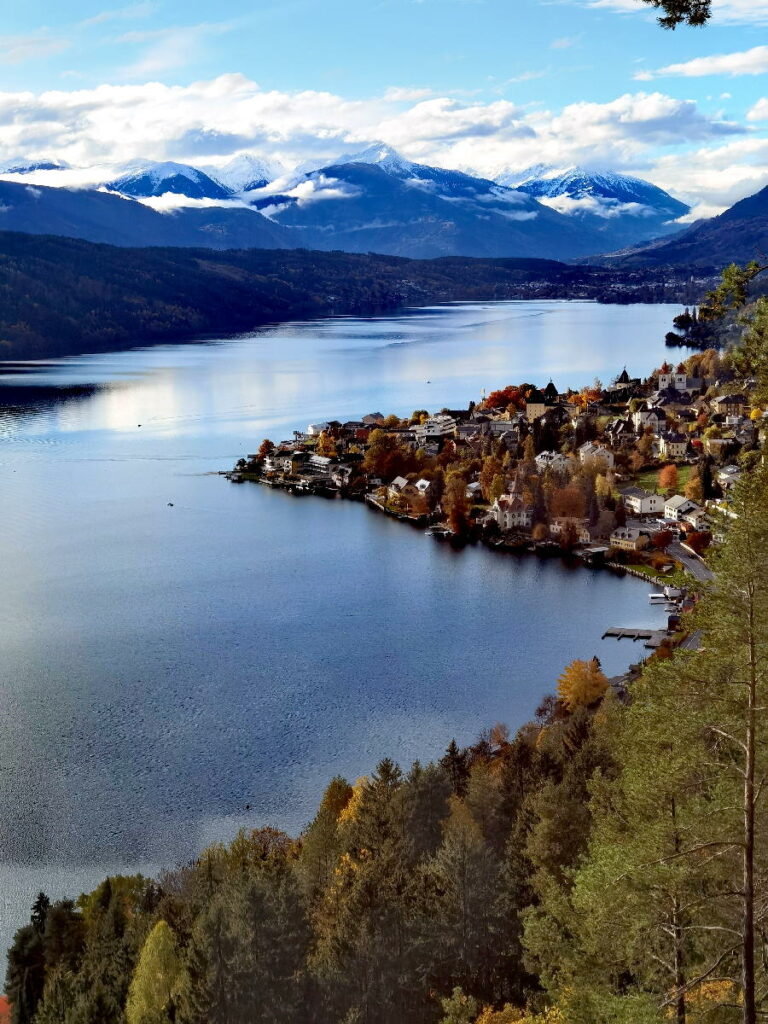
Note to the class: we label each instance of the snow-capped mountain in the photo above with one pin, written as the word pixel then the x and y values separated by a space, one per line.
pixel 99 216
pixel 27 167
pixel 378 201
pixel 156 179
pixel 245 173
pixel 514 178
pixel 383 156
pixel 625 210
pixel 577 183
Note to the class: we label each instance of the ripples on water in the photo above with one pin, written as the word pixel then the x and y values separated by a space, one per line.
pixel 163 668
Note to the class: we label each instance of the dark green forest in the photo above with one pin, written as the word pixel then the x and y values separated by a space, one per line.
pixel 60 296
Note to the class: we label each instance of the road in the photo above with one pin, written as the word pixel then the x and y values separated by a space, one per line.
pixel 692 563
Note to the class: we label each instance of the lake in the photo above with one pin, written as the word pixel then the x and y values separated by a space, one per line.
pixel 182 656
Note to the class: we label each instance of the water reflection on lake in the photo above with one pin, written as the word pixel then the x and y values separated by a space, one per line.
pixel 166 666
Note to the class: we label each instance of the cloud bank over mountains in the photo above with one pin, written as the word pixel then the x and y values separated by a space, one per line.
pixel 97 130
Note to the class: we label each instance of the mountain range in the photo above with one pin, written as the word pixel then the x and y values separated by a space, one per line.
pixel 622 210
pixel 97 216
pixel 378 201
pixel 392 206
pixel 372 201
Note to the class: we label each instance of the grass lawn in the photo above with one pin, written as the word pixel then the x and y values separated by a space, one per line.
pixel 649 571
pixel 649 479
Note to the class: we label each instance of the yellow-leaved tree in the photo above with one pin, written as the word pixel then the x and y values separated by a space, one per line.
pixel 151 997
pixel 581 684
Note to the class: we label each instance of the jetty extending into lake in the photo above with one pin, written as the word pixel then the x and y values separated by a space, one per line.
pixel 653 638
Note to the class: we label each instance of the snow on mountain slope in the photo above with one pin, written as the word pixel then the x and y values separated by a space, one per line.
pixel 27 167
pixel 156 179
pixel 380 202
pixel 246 172
pixel 577 183
pixel 624 209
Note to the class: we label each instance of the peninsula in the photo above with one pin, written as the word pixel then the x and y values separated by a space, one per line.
pixel 636 473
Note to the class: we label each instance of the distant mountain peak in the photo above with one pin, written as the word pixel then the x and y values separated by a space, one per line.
pixel 27 166
pixel 156 179
pixel 246 172
pixel 578 183
pixel 382 155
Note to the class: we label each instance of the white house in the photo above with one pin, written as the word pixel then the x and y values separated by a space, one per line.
pixel 698 518
pixel 680 382
pixel 642 502
pixel 728 476
pixel 677 507
pixel 510 512
pixel 629 538
pixel 673 445
pixel 649 417
pixel 315 429
pixel 589 450
pixel 555 461
pixel 434 429
pixel 561 524
pixel 397 486
pixel 341 475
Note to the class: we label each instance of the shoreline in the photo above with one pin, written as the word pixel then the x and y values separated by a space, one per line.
pixel 522 546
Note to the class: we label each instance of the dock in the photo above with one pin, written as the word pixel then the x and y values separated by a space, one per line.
pixel 652 637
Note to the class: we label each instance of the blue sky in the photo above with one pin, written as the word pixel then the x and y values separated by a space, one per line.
pixel 488 85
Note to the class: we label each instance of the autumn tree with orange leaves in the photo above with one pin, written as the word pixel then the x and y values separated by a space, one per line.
pixel 668 478
pixel 581 684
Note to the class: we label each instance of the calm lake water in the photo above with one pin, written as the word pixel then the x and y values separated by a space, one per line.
pixel 171 673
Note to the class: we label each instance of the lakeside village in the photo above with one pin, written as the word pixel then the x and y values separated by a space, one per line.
pixel 635 475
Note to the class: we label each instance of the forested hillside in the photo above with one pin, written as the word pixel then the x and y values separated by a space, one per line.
pixel 60 296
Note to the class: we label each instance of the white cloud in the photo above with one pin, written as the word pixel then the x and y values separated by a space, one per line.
pixel 170 201
pixel 713 178
pixel 600 207
pixel 18 49
pixel 565 42
pixel 759 112
pixel 745 62
pixel 519 215
pixel 320 187
pixel 524 76
pixel 397 94
pixel 97 130
pixel 169 49
pixel 139 10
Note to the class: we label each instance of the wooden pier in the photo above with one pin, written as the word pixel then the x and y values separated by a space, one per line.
pixel 652 637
